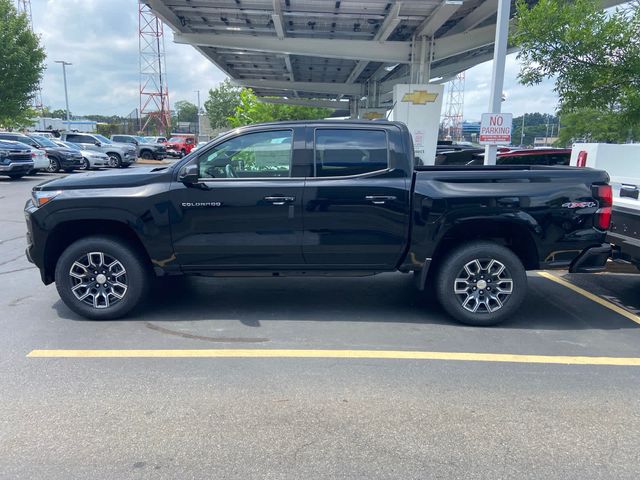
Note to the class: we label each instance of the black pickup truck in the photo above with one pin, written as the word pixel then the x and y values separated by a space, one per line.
pixel 317 198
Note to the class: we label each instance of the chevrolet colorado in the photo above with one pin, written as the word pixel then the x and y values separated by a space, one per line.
pixel 317 198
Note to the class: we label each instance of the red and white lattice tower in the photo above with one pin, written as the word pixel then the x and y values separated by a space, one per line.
pixel 452 120
pixel 154 94
pixel 24 6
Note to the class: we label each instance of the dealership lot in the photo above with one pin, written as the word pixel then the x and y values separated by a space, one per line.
pixel 466 415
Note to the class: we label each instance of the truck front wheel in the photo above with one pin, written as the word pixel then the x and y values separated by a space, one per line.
pixel 481 283
pixel 101 278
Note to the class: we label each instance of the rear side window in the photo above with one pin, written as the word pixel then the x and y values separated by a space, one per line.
pixel 79 138
pixel 347 152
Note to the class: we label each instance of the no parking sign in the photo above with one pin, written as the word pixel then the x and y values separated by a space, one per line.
pixel 495 128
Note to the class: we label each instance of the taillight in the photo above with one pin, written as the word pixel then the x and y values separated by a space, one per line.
pixel 604 195
pixel 582 159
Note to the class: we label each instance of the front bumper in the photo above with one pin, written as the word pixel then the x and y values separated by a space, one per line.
pixel 98 161
pixel 592 259
pixel 16 167
pixel 67 163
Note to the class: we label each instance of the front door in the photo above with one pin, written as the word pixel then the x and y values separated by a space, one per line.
pixel 356 206
pixel 245 211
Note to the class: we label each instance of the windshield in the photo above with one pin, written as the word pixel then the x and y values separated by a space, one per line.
pixel 44 142
pixel 176 139
pixel 103 139
pixel 142 139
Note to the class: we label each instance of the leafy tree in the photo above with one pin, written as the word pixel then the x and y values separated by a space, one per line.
pixel 593 125
pixel 21 66
pixel 251 110
pixel 186 111
pixel 535 125
pixel 222 103
pixel 593 56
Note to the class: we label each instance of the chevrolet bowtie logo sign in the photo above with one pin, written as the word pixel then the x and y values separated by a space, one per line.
pixel 420 97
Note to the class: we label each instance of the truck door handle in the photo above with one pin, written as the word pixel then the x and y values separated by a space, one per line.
pixel 379 199
pixel 279 200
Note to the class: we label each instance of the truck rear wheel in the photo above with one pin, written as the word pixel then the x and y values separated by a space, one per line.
pixel 101 278
pixel 481 283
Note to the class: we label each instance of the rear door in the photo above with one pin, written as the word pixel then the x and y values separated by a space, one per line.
pixel 356 204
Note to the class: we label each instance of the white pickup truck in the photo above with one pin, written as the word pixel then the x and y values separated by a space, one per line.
pixel 622 163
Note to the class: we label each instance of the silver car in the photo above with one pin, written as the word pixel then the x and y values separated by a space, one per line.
pixel 90 158
pixel 120 154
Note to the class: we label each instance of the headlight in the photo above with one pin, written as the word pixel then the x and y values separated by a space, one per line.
pixel 40 197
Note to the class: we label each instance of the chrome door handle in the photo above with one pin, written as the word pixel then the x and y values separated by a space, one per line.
pixel 379 199
pixel 279 200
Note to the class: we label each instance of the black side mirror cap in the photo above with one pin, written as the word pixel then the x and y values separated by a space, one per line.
pixel 189 174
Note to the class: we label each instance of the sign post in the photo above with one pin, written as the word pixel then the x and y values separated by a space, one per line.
pixel 495 129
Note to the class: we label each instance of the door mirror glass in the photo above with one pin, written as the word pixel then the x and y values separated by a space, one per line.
pixel 189 174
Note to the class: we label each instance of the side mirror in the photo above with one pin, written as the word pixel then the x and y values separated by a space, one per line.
pixel 97 144
pixel 189 174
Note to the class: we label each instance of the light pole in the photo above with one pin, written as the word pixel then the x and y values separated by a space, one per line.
pixel 66 94
pixel 198 117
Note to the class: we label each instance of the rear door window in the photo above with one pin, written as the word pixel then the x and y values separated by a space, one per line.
pixel 346 152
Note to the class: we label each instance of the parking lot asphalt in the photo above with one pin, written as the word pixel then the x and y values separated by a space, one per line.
pixel 465 415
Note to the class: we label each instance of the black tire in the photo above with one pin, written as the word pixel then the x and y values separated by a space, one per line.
pixel 135 276
pixel 115 161
pixel 146 154
pixel 16 176
pixel 489 294
pixel 85 164
pixel 54 165
pixel 183 152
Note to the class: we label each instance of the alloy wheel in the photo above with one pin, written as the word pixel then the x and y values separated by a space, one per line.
pixel 483 285
pixel 98 279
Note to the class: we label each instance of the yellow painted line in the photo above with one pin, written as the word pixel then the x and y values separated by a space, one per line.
pixel 349 354
pixel 592 297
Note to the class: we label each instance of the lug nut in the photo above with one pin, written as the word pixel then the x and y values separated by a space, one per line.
pixel 481 292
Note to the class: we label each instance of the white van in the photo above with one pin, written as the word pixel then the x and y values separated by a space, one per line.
pixel 622 163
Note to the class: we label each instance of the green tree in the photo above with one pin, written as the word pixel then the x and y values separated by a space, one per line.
pixel 592 55
pixel 535 125
pixel 251 110
pixel 186 111
pixel 21 66
pixel 593 125
pixel 222 103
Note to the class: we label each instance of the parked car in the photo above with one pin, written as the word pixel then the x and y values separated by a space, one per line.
pixel 622 163
pixel 120 155
pixel 162 140
pixel 507 156
pixel 180 145
pixel 15 159
pixel 347 201
pixel 90 158
pixel 145 149
pixel 39 157
pixel 59 158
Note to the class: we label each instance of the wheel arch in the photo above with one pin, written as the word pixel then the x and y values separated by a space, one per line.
pixel 65 233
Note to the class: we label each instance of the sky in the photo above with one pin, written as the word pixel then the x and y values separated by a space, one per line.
pixel 100 38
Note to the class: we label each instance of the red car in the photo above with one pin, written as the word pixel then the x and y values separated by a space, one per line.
pixel 180 145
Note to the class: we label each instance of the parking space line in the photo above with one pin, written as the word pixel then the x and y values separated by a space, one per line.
pixel 346 354
pixel 591 296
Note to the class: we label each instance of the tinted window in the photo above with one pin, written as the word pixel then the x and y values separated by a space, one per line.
pixel 261 154
pixel 72 137
pixel 350 152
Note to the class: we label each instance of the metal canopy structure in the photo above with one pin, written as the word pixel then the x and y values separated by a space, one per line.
pixel 332 49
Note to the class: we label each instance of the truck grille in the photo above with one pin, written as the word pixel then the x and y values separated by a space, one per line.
pixel 20 157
